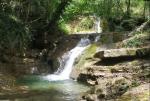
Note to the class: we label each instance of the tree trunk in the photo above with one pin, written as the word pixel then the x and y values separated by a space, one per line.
pixel 140 28
pixel 57 14
pixel 51 29
pixel 149 9
pixel 144 10
pixel 128 2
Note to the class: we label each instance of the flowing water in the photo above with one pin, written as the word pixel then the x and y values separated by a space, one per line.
pixel 57 86
pixel 69 61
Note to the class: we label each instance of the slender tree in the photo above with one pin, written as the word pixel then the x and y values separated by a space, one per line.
pixel 128 10
pixel 56 15
pixel 146 10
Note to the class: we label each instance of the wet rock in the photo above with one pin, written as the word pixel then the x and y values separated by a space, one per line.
pixel 87 78
pixel 91 97
pixel 53 64
pixel 75 74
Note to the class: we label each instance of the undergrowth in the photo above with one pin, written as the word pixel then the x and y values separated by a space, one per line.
pixel 138 40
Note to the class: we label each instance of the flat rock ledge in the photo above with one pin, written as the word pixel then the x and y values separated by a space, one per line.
pixel 123 52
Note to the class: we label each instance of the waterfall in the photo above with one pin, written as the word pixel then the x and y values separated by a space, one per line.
pixel 98 28
pixel 69 59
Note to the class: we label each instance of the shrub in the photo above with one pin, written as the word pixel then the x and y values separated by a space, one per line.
pixel 136 42
pixel 129 24
pixel 13 34
pixel 85 24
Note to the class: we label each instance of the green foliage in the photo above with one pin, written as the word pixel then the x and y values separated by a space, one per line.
pixel 13 34
pixel 104 25
pixel 136 42
pixel 108 9
pixel 128 24
pixel 85 24
pixel 104 8
pixel 63 27
pixel 21 20
pixel 76 8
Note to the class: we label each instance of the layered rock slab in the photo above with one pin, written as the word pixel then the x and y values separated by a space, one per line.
pixel 123 52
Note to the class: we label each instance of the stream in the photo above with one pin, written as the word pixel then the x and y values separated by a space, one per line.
pixel 42 90
pixel 67 61
pixel 57 86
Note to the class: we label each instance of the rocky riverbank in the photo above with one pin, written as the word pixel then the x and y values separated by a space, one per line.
pixel 111 81
pixel 112 77
pixel 118 74
pixel 112 71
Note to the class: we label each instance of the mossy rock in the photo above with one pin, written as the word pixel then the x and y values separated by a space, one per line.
pixel 89 52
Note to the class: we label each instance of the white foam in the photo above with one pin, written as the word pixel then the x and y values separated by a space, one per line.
pixel 72 55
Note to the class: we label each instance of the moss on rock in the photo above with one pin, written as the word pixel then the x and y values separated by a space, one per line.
pixel 89 52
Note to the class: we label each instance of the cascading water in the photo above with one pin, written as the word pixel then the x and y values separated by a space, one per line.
pixel 68 64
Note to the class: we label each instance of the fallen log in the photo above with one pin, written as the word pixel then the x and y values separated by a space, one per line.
pixel 140 28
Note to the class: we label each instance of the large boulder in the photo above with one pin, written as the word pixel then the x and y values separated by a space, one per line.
pixel 109 90
pixel 139 93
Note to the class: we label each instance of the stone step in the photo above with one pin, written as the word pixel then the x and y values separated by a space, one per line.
pixel 95 78
pixel 106 74
pixel 123 52
pixel 113 69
